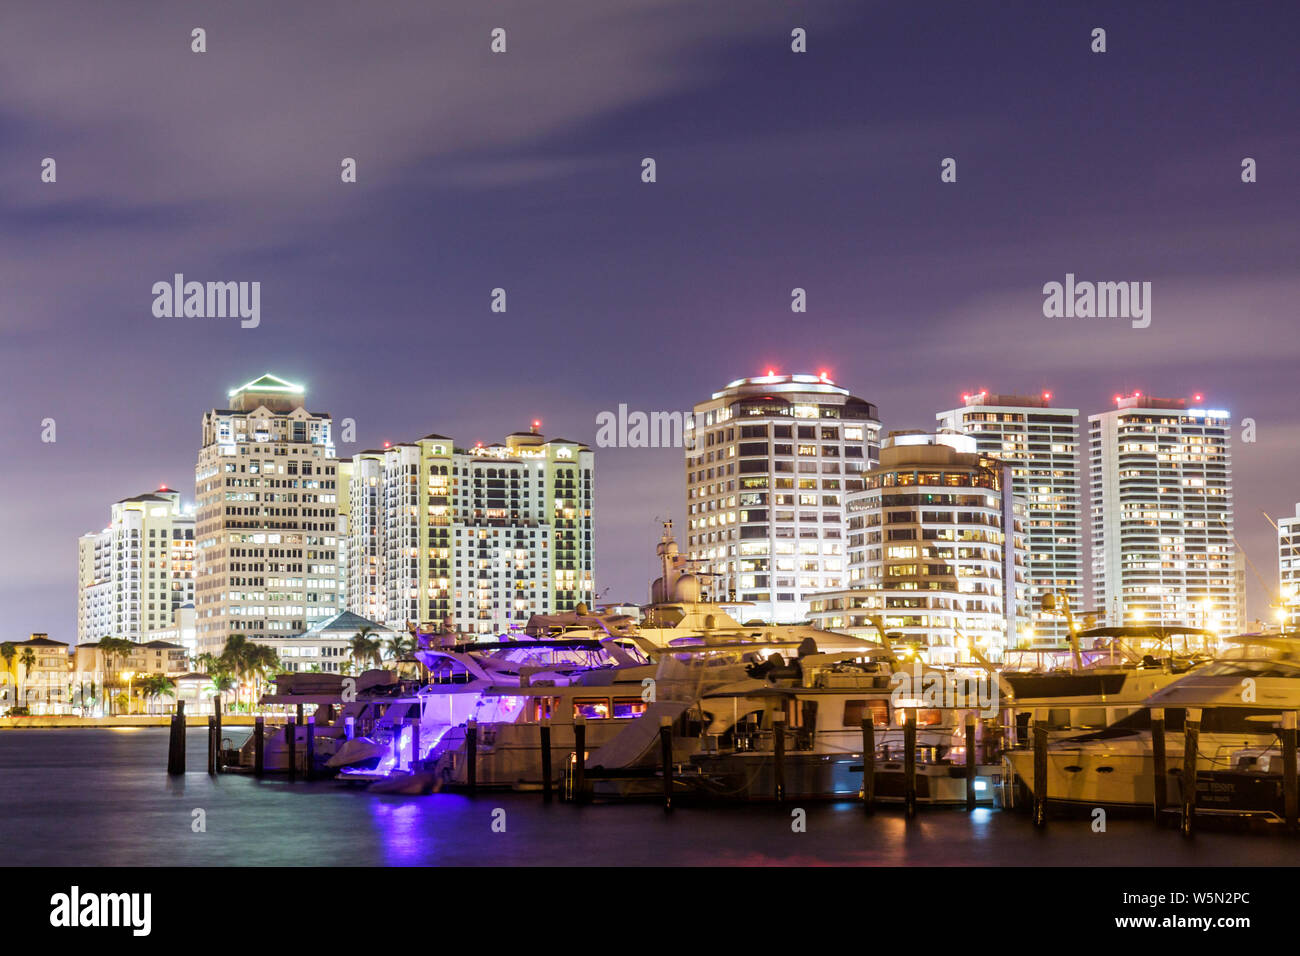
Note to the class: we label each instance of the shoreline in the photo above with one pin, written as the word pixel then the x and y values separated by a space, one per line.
pixel 121 720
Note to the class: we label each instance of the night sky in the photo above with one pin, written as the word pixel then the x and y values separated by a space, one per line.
pixel 522 170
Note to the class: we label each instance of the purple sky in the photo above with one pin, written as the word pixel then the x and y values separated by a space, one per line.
pixel 521 170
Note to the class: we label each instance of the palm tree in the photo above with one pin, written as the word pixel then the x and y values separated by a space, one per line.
pixel 8 652
pixel 113 648
pixel 28 660
pixel 262 661
pixel 207 663
pixel 366 648
pixel 157 685
pixel 221 684
pixel 237 659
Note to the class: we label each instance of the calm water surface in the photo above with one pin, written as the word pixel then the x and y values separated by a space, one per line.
pixel 99 797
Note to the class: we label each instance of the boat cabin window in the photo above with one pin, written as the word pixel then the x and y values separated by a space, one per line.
pixel 629 706
pixel 543 707
pixel 592 708
pixel 855 710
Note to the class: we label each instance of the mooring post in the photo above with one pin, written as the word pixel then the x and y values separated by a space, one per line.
pixel 970 760
pixel 212 745
pixel 217 741
pixel 666 752
pixel 1159 763
pixel 309 751
pixel 1040 771
pixel 176 742
pixel 259 746
pixel 580 758
pixel 778 755
pixel 291 743
pixel 1289 792
pixel 868 763
pixel 471 754
pixel 545 730
pixel 909 762
pixel 1191 745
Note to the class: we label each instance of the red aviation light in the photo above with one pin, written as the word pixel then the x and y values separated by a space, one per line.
pixel 1198 397
pixel 1047 396
pixel 771 373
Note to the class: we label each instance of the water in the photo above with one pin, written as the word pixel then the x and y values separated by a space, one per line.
pixel 99 797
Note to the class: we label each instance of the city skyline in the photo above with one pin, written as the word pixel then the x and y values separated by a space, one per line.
pixel 775 172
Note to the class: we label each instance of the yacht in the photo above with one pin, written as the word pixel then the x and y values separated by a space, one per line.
pixel 1104 676
pixel 1241 699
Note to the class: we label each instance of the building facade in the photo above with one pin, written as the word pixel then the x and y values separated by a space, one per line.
pixel 266 490
pixel 326 647
pixel 472 540
pixel 1288 565
pixel 769 463
pixel 1040 441
pixel 936 550
pixel 1162 514
pixel 139 571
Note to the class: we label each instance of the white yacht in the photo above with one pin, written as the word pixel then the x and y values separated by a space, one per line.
pixel 1241 699
pixel 1103 677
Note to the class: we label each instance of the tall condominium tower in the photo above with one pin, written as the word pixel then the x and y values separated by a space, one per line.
pixel 1162 521
pixel 1288 564
pixel 936 551
pixel 1040 441
pixel 266 488
pixel 769 461
pixel 135 574
pixel 475 539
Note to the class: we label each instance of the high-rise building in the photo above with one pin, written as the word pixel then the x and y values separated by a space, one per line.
pixel 936 551
pixel 769 462
pixel 266 490
pixel 476 540
pixel 1040 441
pixel 1288 565
pixel 135 574
pixel 1162 518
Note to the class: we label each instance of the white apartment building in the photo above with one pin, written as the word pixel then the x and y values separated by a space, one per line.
pixel 134 575
pixel 266 490
pixel 1162 515
pixel 1288 564
pixel 326 646
pixel 769 463
pixel 936 552
pixel 475 540
pixel 1040 441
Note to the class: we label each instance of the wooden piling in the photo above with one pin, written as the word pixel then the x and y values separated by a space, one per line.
pixel 471 754
pixel 970 760
pixel 545 730
pixel 216 743
pixel 291 744
pixel 868 763
pixel 299 721
pixel 1040 771
pixel 1191 744
pixel 1290 795
pixel 778 755
pixel 309 751
pixel 212 746
pixel 259 746
pixel 580 761
pixel 909 763
pixel 666 754
pixel 1159 763
pixel 176 742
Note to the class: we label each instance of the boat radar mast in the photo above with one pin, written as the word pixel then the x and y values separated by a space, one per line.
pixel 676 581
